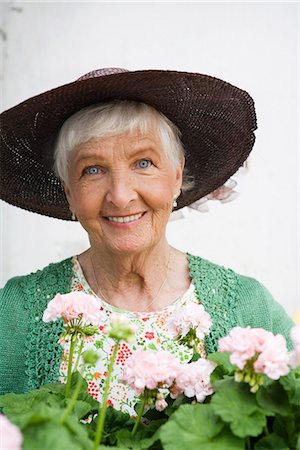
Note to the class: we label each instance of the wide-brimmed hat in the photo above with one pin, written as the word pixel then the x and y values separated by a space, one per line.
pixel 216 120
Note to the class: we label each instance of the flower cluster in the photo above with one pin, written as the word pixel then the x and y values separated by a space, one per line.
pixel 193 380
pixel 80 312
pixel 73 306
pixel 190 324
pixel 294 359
pixel 267 352
pixel 11 436
pixel 147 369
pixel 156 374
pixel 256 352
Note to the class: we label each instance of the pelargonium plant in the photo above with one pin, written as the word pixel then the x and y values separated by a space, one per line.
pixel 190 324
pixel 246 396
pixel 255 352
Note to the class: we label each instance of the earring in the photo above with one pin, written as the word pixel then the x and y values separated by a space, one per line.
pixel 73 216
pixel 175 203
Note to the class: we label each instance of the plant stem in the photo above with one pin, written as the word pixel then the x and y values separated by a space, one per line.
pixel 195 349
pixel 102 410
pixel 68 386
pixel 79 354
pixel 72 401
pixel 266 430
pixel 138 419
pixel 248 444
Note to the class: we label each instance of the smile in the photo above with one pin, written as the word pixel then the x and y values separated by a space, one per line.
pixel 125 219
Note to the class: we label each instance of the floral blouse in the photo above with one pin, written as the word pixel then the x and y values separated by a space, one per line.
pixel 151 334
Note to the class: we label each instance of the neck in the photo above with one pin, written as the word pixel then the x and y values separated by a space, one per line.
pixel 132 282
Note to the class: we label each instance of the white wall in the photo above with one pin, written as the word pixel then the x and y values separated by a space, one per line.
pixel 252 45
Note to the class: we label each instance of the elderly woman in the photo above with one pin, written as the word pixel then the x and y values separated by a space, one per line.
pixel 118 151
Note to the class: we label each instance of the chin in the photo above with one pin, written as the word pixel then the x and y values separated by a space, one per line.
pixel 130 248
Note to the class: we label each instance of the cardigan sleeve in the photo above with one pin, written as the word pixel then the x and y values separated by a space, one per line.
pixel 13 334
pixel 30 353
pixel 257 308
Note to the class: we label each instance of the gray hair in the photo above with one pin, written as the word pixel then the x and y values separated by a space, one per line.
pixel 110 119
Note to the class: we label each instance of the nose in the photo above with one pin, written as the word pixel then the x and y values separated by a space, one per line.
pixel 121 190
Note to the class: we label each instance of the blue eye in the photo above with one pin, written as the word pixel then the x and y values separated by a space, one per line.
pixel 92 170
pixel 144 164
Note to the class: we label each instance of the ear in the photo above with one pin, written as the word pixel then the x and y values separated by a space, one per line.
pixel 68 195
pixel 179 175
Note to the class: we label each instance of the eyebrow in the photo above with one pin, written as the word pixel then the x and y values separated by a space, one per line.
pixel 135 152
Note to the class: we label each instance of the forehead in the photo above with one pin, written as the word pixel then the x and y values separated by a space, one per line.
pixel 129 142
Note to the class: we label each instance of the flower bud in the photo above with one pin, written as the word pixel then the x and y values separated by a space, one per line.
pixel 120 328
pixel 90 330
pixel 90 357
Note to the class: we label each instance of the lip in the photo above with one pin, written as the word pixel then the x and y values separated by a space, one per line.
pixel 124 224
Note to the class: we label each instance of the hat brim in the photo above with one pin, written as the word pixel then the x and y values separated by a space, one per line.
pixel 217 122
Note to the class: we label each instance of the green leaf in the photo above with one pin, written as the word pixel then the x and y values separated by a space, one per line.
pixel 18 402
pixel 195 357
pixel 197 427
pixel 291 384
pixel 152 427
pixel 273 399
pixel 79 431
pixel 55 388
pixel 173 405
pixel 19 407
pixel 252 425
pixel 288 428
pixel 42 412
pixel 83 394
pixel 235 404
pixel 136 442
pixel 105 447
pixel 271 442
pixel 125 438
pixel 50 436
pixel 81 409
pixel 76 376
pixel 223 362
pixel 116 420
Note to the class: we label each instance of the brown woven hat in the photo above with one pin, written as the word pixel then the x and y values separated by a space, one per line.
pixel 217 122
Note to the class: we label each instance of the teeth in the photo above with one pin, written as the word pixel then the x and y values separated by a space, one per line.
pixel 125 219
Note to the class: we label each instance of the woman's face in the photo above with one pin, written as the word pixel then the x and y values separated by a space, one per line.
pixel 121 189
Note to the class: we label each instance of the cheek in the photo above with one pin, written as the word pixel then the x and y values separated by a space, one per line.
pixel 87 201
pixel 159 194
pixel 159 203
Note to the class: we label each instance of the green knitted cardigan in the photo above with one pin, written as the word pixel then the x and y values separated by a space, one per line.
pixel 30 353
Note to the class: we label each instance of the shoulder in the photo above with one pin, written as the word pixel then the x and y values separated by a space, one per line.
pixel 247 301
pixel 51 278
pixel 247 291
pixel 258 308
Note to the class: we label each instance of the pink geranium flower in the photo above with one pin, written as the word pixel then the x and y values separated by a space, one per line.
pixel 268 352
pixel 294 359
pixel 192 315
pixel 72 306
pixel 160 403
pixel 147 369
pixel 10 436
pixel 273 359
pixel 193 380
pixel 243 343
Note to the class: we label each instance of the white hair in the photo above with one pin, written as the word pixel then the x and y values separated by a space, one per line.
pixel 110 119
